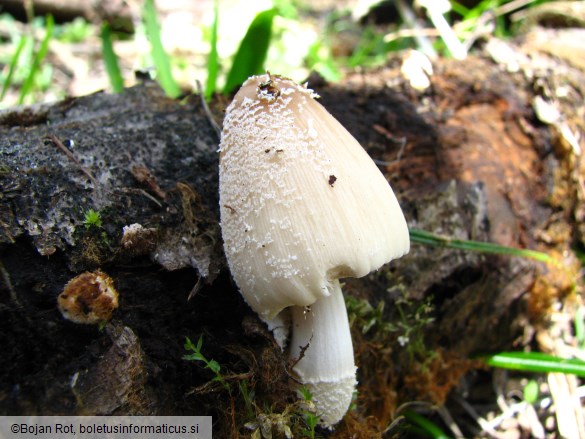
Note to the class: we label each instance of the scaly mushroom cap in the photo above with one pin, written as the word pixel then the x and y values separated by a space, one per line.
pixel 301 202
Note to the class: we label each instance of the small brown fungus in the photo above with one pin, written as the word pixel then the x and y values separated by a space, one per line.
pixel 89 298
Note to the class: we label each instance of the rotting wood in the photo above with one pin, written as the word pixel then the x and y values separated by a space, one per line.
pixel 475 163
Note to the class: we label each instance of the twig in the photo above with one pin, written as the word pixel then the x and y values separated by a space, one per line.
pixel 210 117
pixel 568 411
pixel 56 142
pixel 140 191
pixel 408 16
pixel 302 351
pixel 195 289
pixel 449 421
pixel 143 175
pixel 435 10
pixel 485 425
pixel 6 279
pixel 411 33
pixel 398 140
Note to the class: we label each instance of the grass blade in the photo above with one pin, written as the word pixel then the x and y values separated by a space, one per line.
pixel 427 427
pixel 251 54
pixel 212 59
pixel 111 60
pixel 37 60
pixel 427 238
pixel 13 63
pixel 160 58
pixel 536 362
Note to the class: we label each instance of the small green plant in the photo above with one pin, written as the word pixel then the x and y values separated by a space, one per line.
pixel 248 395
pixel 530 392
pixel 264 425
pixel 91 219
pixel 472 18
pixel 307 412
pixel 371 49
pixel 414 317
pixel 320 59
pixel 75 31
pixel 299 417
pixel 197 355
pixel 367 318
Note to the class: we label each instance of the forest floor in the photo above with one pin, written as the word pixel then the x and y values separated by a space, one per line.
pixel 491 151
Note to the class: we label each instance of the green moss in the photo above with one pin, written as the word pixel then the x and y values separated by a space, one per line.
pixel 91 219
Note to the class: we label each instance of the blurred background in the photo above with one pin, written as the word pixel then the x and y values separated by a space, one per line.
pixel 51 49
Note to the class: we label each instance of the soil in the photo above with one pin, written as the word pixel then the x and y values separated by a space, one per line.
pixel 468 158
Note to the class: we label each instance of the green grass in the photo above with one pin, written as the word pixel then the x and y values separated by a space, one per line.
pixel 38 57
pixel 470 17
pixel 427 238
pixel 248 395
pixel 370 49
pixel 536 362
pixel 250 57
pixel 160 58
pixel 27 69
pixel 213 57
pixel 13 65
pixel 111 60
pixel 423 427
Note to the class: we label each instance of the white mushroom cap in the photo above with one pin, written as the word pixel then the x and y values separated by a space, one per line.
pixel 302 205
pixel 301 202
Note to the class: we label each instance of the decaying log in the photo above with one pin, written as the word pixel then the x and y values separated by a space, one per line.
pixel 468 159
pixel 120 14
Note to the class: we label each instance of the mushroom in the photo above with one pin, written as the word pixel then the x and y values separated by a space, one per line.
pixel 89 298
pixel 302 205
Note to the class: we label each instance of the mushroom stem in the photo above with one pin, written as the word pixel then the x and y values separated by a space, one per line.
pixel 321 342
